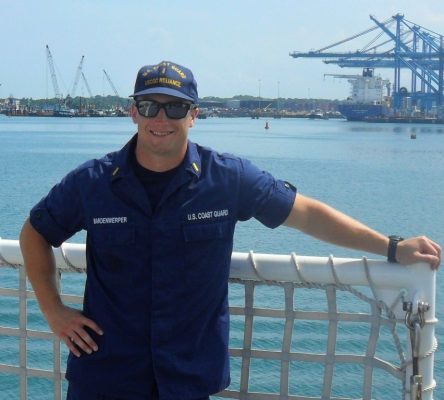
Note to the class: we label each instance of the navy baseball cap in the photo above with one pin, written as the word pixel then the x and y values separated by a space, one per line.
pixel 166 78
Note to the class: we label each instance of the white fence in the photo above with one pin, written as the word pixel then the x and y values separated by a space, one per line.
pixel 400 301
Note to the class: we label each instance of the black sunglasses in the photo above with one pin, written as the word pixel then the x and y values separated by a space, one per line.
pixel 173 109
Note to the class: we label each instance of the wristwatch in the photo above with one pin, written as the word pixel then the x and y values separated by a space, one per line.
pixel 393 244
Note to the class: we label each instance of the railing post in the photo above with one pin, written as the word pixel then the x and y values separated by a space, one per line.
pixel 57 354
pixel 23 335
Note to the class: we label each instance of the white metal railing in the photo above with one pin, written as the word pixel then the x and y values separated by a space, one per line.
pixel 400 299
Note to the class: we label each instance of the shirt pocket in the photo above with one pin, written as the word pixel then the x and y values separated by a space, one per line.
pixel 206 255
pixel 205 232
pixel 111 256
pixel 113 236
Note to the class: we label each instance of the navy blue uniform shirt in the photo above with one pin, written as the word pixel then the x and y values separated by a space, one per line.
pixel 157 282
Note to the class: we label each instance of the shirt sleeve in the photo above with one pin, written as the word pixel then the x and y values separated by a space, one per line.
pixel 264 197
pixel 59 215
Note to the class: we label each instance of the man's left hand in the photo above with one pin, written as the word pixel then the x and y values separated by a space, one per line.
pixel 419 249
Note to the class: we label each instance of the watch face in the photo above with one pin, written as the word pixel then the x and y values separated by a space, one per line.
pixel 396 238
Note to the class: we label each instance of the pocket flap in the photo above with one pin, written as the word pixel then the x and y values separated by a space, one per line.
pixel 199 232
pixel 114 235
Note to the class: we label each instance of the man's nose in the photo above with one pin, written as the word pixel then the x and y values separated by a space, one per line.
pixel 161 114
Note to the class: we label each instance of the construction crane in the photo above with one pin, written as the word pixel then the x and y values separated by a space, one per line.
pixel 409 46
pixel 77 77
pixel 111 83
pixel 86 84
pixel 53 74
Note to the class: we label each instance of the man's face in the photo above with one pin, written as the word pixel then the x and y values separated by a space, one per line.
pixel 162 138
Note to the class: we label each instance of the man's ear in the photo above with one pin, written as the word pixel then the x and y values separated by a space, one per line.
pixel 133 113
pixel 194 113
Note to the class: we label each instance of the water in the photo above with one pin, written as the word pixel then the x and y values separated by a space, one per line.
pixel 373 172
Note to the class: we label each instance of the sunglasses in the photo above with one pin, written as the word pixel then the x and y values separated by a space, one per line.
pixel 173 109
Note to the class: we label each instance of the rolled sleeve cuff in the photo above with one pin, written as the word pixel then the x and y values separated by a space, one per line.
pixel 279 205
pixel 43 223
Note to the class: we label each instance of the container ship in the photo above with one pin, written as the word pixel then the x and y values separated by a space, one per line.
pixel 367 98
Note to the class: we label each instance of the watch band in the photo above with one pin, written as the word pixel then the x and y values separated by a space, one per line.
pixel 392 246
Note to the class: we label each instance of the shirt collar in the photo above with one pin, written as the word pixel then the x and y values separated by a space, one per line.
pixel 192 162
pixel 122 163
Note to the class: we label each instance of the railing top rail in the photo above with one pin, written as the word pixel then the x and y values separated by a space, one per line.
pixel 416 281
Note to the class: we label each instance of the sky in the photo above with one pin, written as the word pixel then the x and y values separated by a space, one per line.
pixel 233 47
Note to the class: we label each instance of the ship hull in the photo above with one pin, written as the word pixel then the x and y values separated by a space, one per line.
pixel 361 112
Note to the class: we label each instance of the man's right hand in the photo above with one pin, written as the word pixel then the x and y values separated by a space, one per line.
pixel 69 325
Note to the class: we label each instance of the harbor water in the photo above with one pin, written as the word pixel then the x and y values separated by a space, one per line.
pixel 374 172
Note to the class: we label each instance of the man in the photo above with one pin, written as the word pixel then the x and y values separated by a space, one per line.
pixel 160 217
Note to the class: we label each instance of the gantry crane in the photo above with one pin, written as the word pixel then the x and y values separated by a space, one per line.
pixel 409 46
